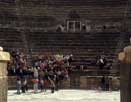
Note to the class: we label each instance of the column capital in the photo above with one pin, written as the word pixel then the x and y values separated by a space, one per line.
pixel 4 56
pixel 125 56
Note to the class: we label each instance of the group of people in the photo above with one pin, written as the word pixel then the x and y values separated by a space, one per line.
pixel 18 61
pixel 47 72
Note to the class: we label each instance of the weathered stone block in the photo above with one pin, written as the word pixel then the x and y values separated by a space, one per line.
pixel 4 57
pixel 83 82
pixel 65 84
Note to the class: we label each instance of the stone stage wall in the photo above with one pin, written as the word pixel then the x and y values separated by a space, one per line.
pixel 75 82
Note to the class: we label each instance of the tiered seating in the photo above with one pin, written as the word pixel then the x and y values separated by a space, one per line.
pixel 84 46
pixel 88 9
pixel 15 11
pixel 27 15
pixel 85 11
pixel 72 2
pixel 10 39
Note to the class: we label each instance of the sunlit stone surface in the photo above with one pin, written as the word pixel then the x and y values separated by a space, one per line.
pixel 66 96
pixel 4 58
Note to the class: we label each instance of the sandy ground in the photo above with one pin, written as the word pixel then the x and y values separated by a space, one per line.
pixel 65 96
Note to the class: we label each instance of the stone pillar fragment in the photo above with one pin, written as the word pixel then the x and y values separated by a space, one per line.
pixel 4 58
pixel 125 74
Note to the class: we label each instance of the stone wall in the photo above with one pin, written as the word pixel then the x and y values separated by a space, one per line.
pixel 79 82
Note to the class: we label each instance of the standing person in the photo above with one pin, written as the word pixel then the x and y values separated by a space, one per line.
pixel 83 27
pixel 103 83
pixel 102 62
pixel 35 86
pixel 41 81
pixel 46 75
pixel 66 76
pixel 35 80
pixel 107 83
pixel 41 84
pixel 24 85
pixel 45 84
pixel 57 82
pixel 52 85
pixel 21 73
pixel 18 85
pixel 58 79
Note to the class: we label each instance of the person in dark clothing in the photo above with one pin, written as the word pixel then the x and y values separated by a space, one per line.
pixel 104 27
pixel 20 73
pixel 70 59
pixel 57 83
pixel 18 85
pixel 103 83
pixel 83 27
pixel 52 85
pixel 107 84
pixel 24 87
pixel 102 62
pixel 41 84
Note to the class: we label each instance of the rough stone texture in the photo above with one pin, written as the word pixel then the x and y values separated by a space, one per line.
pixel 65 84
pixel 82 82
pixel 125 82
pixel 125 74
pixel 3 70
pixel 4 57
pixel 3 82
pixel 114 84
pixel 93 82
pixel 3 89
pixel 12 82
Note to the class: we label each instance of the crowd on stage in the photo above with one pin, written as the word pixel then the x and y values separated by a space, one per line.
pixel 45 72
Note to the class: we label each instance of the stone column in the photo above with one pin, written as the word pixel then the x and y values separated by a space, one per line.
pixel 4 58
pixel 125 74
